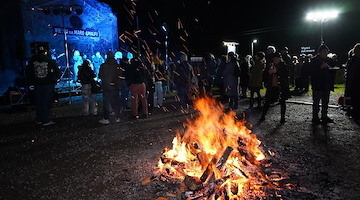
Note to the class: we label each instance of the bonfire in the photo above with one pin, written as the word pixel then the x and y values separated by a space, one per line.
pixel 217 157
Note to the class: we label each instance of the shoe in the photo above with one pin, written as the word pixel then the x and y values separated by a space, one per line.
pixel 326 120
pixel 38 122
pixel 132 117
pixel 316 120
pixel 117 120
pixel 104 121
pixel 48 123
pixel 145 116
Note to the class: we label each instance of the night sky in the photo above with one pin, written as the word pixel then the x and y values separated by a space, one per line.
pixel 206 23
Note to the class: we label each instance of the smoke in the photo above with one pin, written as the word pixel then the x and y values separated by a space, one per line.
pixel 7 79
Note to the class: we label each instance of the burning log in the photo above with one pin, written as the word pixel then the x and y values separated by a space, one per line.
pixel 209 170
pixel 193 163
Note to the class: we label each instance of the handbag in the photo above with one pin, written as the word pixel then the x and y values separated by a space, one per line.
pixel 95 87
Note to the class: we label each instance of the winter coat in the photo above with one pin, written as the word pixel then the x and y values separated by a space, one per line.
pixel 322 79
pixel 42 70
pixel 231 78
pixel 136 72
pixel 245 74
pixel 183 74
pixel 278 79
pixel 109 74
pixel 256 72
pixel 86 75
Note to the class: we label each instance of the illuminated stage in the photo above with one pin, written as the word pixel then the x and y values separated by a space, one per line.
pixel 63 27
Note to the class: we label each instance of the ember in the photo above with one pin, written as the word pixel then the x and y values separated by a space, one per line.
pixel 217 157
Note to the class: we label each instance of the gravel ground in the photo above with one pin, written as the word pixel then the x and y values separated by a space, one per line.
pixel 78 158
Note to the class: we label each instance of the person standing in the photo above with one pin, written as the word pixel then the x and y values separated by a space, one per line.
pixel 109 74
pixel 86 77
pixel 124 66
pixel 78 60
pixel 157 66
pixel 353 81
pixel 255 82
pixel 97 60
pixel 137 81
pixel 231 75
pixel 245 64
pixel 183 75
pixel 277 84
pixel 322 81
pixel 43 73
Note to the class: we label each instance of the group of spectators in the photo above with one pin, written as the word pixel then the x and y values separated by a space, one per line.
pixel 140 83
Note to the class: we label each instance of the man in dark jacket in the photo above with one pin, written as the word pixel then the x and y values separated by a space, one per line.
pixel 110 74
pixel 322 81
pixel 182 77
pixel 43 73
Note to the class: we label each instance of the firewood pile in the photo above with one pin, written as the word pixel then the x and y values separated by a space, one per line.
pixel 218 158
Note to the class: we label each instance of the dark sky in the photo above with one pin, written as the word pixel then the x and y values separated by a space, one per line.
pixel 209 22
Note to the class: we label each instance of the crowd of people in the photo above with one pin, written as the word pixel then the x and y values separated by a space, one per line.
pixel 140 83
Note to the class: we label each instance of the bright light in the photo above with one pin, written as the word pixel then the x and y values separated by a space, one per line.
pixel 322 16
pixel 231 46
pixel 254 41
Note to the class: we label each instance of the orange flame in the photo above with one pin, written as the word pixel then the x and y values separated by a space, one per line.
pixel 203 144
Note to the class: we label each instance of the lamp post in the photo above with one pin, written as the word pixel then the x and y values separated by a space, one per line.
pixel 322 17
pixel 165 29
pixel 252 47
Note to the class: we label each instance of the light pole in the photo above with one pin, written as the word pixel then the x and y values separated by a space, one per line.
pixel 322 17
pixel 252 47
pixel 165 29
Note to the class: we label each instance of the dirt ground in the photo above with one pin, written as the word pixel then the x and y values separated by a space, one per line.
pixel 78 158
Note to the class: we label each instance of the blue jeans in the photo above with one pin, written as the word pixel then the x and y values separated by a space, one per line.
pixel 158 94
pixel 111 100
pixel 89 100
pixel 43 99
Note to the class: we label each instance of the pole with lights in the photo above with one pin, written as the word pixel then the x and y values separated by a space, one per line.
pixel 252 46
pixel 322 17
pixel 165 29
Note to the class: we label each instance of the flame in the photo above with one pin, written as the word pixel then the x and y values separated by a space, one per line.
pixel 201 149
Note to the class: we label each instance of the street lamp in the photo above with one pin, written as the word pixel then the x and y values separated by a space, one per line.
pixel 252 47
pixel 322 17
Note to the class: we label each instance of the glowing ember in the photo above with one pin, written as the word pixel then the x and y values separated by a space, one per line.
pixel 220 156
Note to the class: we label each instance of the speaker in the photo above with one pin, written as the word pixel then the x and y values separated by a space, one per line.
pixel 36 47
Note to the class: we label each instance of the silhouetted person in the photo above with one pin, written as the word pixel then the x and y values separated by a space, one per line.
pixel 86 77
pixel 109 74
pixel 137 80
pixel 231 75
pixel 182 77
pixel 276 83
pixel 255 82
pixel 353 81
pixel 43 73
pixel 322 81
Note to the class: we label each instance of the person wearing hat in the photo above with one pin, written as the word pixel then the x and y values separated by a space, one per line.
pixel 322 82
pixel 43 73
pixel 110 74
pixel 277 85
